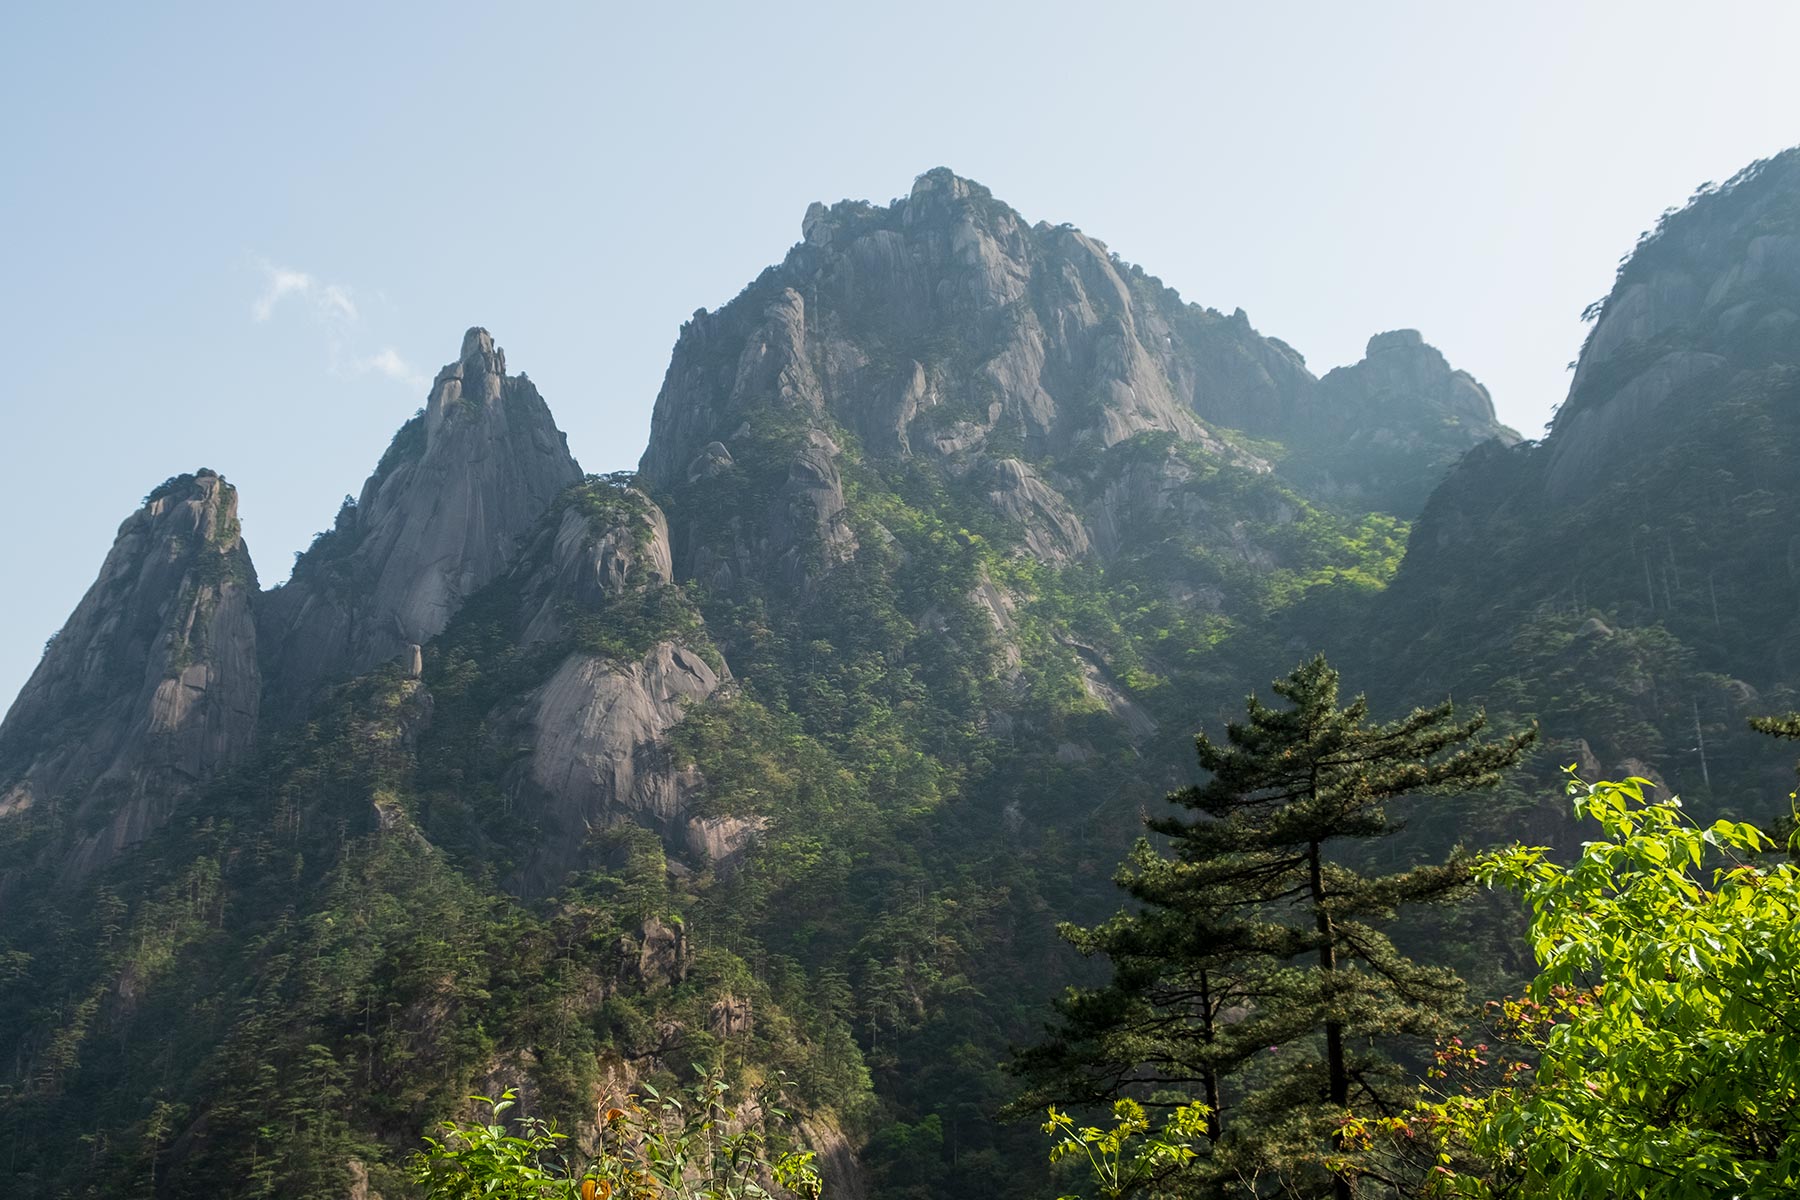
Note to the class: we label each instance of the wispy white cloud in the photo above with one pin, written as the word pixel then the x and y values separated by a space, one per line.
pixel 336 301
pixel 328 301
pixel 281 283
pixel 389 363
pixel 333 307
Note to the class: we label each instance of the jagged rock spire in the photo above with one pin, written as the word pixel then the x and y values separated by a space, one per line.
pixel 151 686
pixel 439 518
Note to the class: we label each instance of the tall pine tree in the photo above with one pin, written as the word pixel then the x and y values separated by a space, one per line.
pixel 1254 976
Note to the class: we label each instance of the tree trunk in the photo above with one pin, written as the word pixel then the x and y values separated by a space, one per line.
pixel 1209 1078
pixel 1334 1030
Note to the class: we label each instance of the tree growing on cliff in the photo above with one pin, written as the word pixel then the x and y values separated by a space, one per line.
pixel 1255 977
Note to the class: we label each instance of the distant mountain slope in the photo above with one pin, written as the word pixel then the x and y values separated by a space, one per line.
pixel 1634 578
pixel 1387 429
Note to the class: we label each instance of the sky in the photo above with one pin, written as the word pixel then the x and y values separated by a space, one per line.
pixel 245 236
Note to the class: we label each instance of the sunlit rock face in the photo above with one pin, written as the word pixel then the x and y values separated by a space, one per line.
pixel 594 732
pixel 945 321
pixel 598 731
pixel 440 517
pixel 945 329
pixel 151 687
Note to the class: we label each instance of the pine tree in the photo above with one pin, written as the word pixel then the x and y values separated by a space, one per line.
pixel 1254 976
pixel 1784 726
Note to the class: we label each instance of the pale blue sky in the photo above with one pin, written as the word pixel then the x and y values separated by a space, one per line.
pixel 242 238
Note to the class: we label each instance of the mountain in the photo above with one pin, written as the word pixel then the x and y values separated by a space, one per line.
pixel 945 327
pixel 460 484
pixel 789 750
pixel 149 689
pixel 1631 578
pixel 1387 429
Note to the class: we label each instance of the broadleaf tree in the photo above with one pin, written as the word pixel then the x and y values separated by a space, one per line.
pixel 1663 1023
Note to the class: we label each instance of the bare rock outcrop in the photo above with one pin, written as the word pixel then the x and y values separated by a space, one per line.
pixel 1053 533
pixel 930 328
pixel 799 534
pixel 1593 432
pixel 1099 682
pixel 1159 493
pixel 151 687
pixel 938 322
pixel 839 1168
pixel 609 540
pixel 658 955
pixel 946 328
pixel 440 517
pixel 809 527
pixel 598 732
pixel 592 588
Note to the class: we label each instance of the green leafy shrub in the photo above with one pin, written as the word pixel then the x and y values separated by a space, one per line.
pixel 1133 1157
pixel 681 1145
pixel 1656 1054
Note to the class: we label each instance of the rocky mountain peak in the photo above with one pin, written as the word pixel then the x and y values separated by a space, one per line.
pixel 930 326
pixel 1397 339
pixel 1401 365
pixel 942 181
pixel 1715 287
pixel 478 346
pixel 439 518
pixel 1384 431
pixel 944 327
pixel 941 192
pixel 151 686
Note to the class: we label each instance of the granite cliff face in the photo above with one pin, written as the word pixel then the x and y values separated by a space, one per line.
pixel 150 688
pixel 946 331
pixel 628 657
pixel 945 328
pixel 1715 289
pixel 930 327
pixel 605 542
pixel 598 731
pixel 439 518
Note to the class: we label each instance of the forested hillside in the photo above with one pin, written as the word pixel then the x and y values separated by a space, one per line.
pixel 787 753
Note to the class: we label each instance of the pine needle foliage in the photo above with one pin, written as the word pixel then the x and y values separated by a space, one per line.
pixel 1256 976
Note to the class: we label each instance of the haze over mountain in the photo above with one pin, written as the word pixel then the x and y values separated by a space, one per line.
pixel 792 747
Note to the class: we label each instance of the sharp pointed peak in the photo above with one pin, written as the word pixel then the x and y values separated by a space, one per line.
pixel 476 342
